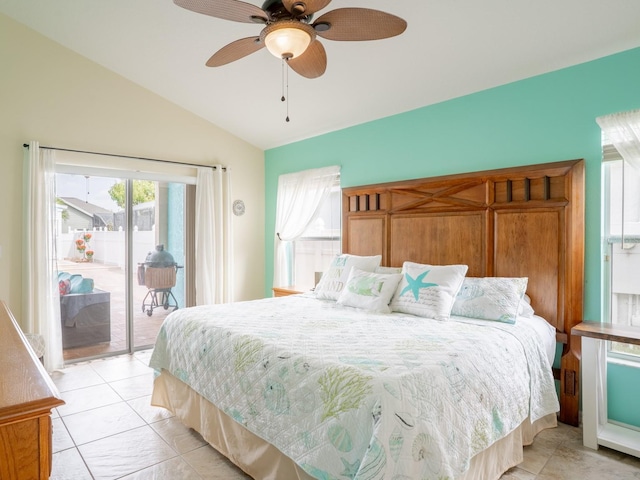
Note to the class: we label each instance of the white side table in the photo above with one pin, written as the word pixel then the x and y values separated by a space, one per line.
pixel 596 429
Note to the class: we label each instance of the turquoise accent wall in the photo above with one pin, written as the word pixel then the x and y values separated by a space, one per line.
pixel 623 407
pixel 542 119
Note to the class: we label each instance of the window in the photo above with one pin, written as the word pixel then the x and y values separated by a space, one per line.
pixel 621 222
pixel 307 233
pixel 93 240
pixel 120 209
pixel 313 251
pixel 621 243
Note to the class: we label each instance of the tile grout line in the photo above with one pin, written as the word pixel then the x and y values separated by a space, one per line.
pixel 122 400
pixel 125 401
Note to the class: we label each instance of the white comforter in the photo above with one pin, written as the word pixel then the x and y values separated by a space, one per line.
pixel 355 395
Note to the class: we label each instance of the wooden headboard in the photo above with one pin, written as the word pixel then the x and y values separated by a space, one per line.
pixel 515 222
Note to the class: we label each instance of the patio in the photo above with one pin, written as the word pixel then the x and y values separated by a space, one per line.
pixel 111 278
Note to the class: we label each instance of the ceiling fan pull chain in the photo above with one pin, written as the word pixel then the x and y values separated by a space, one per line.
pixel 287 74
pixel 282 98
pixel 285 81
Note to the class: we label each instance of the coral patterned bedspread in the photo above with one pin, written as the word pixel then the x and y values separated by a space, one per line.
pixel 356 395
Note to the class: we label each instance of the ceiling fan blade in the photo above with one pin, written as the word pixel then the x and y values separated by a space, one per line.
pixel 312 63
pixel 304 7
pixel 235 51
pixel 233 10
pixel 358 24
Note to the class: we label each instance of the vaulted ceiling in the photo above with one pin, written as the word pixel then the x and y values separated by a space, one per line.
pixel 450 48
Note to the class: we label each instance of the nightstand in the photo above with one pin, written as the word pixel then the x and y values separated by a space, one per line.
pixel 596 430
pixel 285 291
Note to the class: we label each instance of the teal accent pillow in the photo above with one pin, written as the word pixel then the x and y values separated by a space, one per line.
pixel 428 290
pixel 78 284
pixel 369 291
pixel 64 276
pixel 490 298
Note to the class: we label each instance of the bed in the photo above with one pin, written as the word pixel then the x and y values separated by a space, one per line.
pixel 306 387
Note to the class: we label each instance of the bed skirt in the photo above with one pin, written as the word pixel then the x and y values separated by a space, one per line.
pixel 263 461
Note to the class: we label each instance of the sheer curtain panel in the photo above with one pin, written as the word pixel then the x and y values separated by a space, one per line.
pixel 213 234
pixel 298 198
pixel 41 298
pixel 623 131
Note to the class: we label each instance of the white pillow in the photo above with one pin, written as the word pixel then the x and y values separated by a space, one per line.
pixel 490 298
pixel 369 291
pixel 525 309
pixel 334 279
pixel 388 270
pixel 428 290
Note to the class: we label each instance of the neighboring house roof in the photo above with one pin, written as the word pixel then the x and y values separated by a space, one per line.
pixel 85 207
pixel 105 218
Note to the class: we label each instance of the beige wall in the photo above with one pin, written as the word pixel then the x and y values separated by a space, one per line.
pixel 59 98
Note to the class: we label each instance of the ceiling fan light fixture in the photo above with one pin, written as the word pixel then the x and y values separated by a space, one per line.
pixel 288 39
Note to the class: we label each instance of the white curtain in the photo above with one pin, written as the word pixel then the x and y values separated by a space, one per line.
pixel 41 298
pixel 623 131
pixel 298 198
pixel 214 249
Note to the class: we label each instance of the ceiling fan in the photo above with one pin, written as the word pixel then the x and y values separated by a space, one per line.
pixel 289 32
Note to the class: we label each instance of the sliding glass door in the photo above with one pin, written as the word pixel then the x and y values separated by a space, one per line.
pixel 111 233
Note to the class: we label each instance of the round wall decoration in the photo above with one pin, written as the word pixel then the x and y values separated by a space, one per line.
pixel 238 207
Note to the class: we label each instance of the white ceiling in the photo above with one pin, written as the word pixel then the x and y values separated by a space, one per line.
pixel 450 48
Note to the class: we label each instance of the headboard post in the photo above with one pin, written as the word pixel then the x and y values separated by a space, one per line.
pixel 515 222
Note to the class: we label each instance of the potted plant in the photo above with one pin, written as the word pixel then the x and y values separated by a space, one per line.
pixel 81 247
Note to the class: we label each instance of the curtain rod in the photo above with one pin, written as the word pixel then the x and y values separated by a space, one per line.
pixel 224 169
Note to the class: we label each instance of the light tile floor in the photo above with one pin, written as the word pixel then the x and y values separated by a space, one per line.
pixel 109 430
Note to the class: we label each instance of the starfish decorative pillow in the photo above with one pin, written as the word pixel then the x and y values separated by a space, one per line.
pixel 428 290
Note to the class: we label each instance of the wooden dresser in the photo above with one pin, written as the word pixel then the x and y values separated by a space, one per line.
pixel 27 396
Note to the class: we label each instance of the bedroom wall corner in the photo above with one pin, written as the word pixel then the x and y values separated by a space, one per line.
pixel 51 94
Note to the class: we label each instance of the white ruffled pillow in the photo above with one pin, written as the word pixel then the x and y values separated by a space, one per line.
pixel 490 298
pixel 428 290
pixel 334 279
pixel 369 291
pixel 388 270
pixel 525 309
